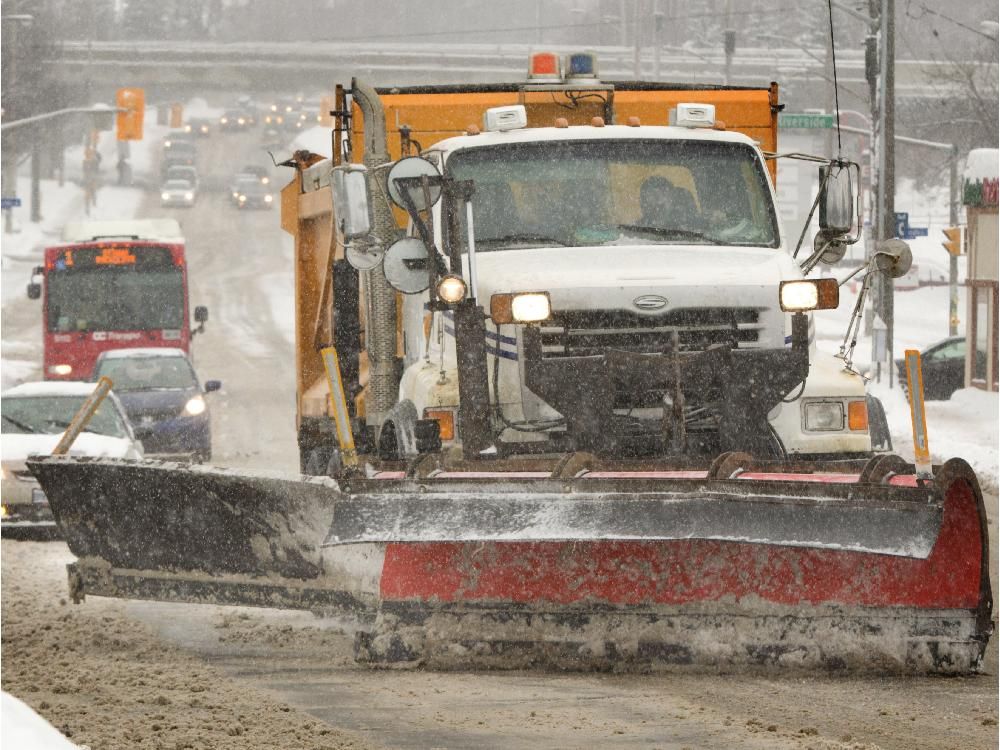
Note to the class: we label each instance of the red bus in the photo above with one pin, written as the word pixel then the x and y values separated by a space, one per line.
pixel 113 285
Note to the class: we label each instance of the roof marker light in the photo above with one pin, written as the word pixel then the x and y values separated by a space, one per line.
pixel 581 65
pixel 633 122
pixel 472 129
pixel 562 122
pixel 544 66
pixel 597 122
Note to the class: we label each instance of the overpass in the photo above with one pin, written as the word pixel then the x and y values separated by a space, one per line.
pixel 191 67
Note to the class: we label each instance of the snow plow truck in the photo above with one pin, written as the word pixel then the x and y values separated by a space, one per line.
pixel 559 406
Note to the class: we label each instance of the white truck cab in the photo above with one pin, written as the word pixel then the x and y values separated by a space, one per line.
pixel 644 238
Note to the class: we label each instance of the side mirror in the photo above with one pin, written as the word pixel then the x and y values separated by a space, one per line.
pixel 836 205
pixel 349 184
pixel 34 290
pixel 200 314
pixel 213 385
pixel 893 257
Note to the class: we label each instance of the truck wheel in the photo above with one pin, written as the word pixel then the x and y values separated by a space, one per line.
pixel 878 426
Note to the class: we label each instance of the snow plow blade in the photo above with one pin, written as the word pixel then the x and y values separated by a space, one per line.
pixel 836 566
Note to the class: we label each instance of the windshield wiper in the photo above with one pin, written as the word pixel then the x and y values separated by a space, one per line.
pixel 674 232
pixel 21 425
pixel 522 237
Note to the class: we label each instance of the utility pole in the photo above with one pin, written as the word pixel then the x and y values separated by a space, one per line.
pixel 886 160
pixel 657 38
pixel 729 42
pixel 636 47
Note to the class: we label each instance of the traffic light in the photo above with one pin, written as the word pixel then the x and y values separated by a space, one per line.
pixel 176 115
pixel 132 106
pixel 954 243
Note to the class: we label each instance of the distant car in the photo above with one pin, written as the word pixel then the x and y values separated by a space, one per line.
pixel 199 126
pixel 943 367
pixel 182 172
pixel 234 119
pixel 177 137
pixel 298 120
pixel 250 193
pixel 237 182
pixel 261 173
pixel 177 193
pixel 179 155
pixel 35 416
pixel 271 139
pixel 163 398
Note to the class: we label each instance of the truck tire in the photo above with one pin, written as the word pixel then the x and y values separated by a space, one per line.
pixel 878 426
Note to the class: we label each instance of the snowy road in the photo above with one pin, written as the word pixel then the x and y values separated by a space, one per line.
pixel 119 675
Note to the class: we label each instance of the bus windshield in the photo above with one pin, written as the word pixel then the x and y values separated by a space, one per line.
pixel 115 299
pixel 608 192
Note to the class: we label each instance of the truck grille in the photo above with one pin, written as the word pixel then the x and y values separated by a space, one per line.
pixel 585 333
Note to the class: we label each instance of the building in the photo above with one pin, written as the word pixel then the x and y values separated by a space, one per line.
pixel 979 195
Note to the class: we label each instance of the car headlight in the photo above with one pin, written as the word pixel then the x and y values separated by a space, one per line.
pixel 167 143
pixel 243 199
pixel 268 198
pixel 195 406
pixel 189 196
pixel 803 296
pixel 204 128
pixel 165 196
pixel 822 416
pixel 241 120
pixel 187 128
pixel 265 180
pixel 451 289
pixel 61 369
pixel 224 120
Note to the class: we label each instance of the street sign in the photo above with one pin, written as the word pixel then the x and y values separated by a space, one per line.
pixel 803 120
pixel 913 232
pixel 10 203
pixel 902 223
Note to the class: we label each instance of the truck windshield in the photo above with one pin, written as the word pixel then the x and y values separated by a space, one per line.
pixel 617 192
pixel 115 299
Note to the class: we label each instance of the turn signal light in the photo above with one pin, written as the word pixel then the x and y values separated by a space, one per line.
pixel 857 415
pixel 445 419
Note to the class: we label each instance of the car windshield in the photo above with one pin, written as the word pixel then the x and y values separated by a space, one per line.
pixel 252 186
pixel 51 415
pixel 177 185
pixel 147 373
pixel 617 192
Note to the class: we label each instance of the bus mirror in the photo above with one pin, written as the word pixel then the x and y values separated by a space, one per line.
pixel 350 201
pixel 836 206
pixel 34 290
pixel 200 314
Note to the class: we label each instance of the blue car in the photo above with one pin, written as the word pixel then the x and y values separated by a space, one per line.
pixel 163 399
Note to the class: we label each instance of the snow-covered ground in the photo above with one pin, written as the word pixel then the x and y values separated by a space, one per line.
pixel 22 728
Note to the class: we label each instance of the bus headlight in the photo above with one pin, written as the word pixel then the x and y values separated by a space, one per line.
pixel 165 196
pixel 61 369
pixel 451 289
pixel 195 406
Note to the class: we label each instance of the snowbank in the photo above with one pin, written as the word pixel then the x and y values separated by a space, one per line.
pixel 22 728
pixel 982 164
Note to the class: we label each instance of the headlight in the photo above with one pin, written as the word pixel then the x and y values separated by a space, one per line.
pixel 451 289
pixel 822 416
pixel 3 511
pixel 167 144
pixel 274 107
pixel 243 199
pixel 521 307
pixel 204 128
pixel 268 198
pixel 802 296
pixel 187 128
pixel 224 120
pixel 265 180
pixel 165 196
pixel 189 196
pixel 61 369
pixel 195 406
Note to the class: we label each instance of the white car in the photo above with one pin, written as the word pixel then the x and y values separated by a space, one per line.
pixel 177 193
pixel 34 418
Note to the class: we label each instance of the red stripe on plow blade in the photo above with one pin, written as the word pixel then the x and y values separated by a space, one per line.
pixel 691 571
